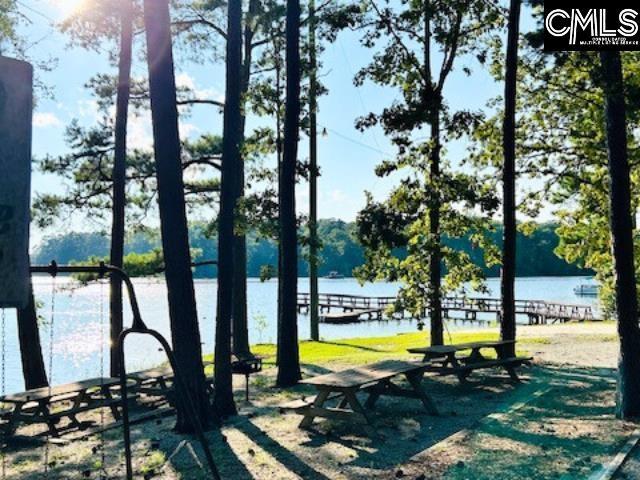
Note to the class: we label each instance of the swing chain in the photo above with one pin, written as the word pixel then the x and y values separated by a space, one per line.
pixel 102 443
pixel 51 338
pixel 3 350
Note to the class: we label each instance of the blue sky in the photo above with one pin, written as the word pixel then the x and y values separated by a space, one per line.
pixel 347 156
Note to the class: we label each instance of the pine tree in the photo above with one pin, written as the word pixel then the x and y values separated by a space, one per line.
pixel 288 355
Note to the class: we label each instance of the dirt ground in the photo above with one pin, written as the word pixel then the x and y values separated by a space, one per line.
pixel 558 423
pixel 587 345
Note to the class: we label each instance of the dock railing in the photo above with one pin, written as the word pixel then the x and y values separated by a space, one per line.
pixel 538 311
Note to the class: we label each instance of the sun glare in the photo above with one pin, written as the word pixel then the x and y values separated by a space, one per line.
pixel 68 8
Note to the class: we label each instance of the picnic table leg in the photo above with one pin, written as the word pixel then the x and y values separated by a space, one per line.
pixel 455 364
pixel 415 380
pixel 500 352
pixel 317 403
pixel 358 409
pixel 77 402
pixel 371 401
pixel 374 395
pixel 475 356
pixel 166 391
pixel 51 422
pixel 512 373
pixel 108 396
pixel 12 424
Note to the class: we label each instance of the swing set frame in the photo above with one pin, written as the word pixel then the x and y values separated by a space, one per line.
pixel 138 326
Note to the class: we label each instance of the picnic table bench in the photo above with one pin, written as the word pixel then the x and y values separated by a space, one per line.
pixel 37 405
pixel 375 380
pixel 159 382
pixel 445 359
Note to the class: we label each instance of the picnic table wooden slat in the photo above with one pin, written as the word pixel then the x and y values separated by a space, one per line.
pixel 445 361
pixel 374 380
pixel 460 346
pixel 44 393
pixel 361 376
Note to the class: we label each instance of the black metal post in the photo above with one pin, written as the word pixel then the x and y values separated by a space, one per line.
pixel 138 326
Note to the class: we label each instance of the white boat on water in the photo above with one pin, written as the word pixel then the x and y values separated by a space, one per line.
pixel 333 275
pixel 587 289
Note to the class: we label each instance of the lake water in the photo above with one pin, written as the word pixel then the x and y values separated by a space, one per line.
pixel 80 321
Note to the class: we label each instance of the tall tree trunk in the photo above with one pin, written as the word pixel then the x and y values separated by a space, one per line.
pixel 239 315
pixel 173 219
pixel 508 277
pixel 278 74
pixel 435 272
pixel 33 370
pixel 228 198
pixel 433 102
pixel 313 177
pixel 288 354
pixel 628 401
pixel 119 178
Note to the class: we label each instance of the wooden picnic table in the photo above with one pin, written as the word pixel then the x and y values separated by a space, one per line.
pixel 35 406
pixel 375 380
pixel 159 382
pixel 445 359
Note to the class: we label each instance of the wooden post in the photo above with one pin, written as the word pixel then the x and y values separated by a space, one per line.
pixel 16 105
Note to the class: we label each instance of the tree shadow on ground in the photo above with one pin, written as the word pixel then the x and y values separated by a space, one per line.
pixel 351 345
pixel 562 433
pixel 406 429
pixel 283 455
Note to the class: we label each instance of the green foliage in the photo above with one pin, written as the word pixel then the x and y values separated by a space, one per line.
pixel 402 235
pixel 340 251
pixel 561 151
pixel 135 264
pixel 86 172
pixel 10 20
pixel 267 272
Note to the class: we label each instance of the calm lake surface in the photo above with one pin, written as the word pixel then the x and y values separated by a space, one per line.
pixel 80 321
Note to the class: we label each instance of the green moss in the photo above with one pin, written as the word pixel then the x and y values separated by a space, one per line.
pixel 153 463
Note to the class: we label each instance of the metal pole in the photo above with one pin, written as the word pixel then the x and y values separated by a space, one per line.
pixel 138 326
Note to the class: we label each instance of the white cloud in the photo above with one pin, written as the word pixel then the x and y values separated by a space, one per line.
pixel 139 134
pixel 89 109
pixel 184 80
pixel 187 129
pixel 337 196
pixel 46 119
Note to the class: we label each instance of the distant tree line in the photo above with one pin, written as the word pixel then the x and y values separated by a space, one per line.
pixel 340 251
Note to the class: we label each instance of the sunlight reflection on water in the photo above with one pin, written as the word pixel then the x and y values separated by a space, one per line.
pixel 82 319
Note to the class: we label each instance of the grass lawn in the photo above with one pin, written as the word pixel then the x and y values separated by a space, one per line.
pixel 564 429
pixel 368 349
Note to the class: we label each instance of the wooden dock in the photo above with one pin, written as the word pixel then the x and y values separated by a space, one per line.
pixel 342 308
